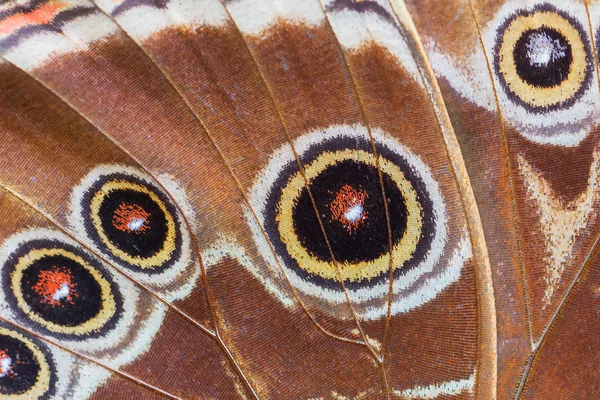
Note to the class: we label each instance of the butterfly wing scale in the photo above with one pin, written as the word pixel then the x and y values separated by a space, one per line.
pixel 315 199
pixel 530 149
pixel 35 144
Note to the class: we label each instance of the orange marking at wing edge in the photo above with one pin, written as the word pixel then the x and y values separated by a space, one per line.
pixel 42 15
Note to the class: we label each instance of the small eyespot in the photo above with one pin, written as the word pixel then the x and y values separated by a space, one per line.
pixel 126 216
pixel 543 59
pixel 61 289
pixel 27 370
pixel 133 221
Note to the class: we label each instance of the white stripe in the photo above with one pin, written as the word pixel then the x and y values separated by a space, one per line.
pixel 438 389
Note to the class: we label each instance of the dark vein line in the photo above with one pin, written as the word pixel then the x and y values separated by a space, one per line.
pixel 90 359
pixel 477 238
pixel 584 266
pixel 511 184
pixel 307 186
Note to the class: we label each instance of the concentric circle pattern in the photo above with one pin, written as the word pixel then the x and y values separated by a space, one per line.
pixel 133 221
pixel 543 58
pixel 27 370
pixel 61 289
pixel 344 185
pixel 347 239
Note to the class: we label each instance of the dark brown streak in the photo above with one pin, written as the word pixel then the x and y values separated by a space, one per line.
pixel 66 232
pixel 511 186
pixel 216 335
pixel 91 360
pixel 307 186
pixel 575 282
pixel 386 328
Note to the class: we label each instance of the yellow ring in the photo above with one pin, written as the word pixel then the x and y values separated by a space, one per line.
pixel 535 96
pixel 157 259
pixel 402 251
pixel 108 301
pixel 42 381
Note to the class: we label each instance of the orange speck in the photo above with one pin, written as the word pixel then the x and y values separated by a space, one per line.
pixel 341 207
pixel 51 283
pixel 130 218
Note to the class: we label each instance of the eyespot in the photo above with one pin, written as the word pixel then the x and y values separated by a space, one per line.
pixel 133 221
pixel 27 369
pixel 61 289
pixel 345 186
pixel 55 288
pixel 344 182
pixel 127 217
pixel 543 59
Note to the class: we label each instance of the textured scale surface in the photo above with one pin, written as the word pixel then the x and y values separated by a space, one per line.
pixel 299 199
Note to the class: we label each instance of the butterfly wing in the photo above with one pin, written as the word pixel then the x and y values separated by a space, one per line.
pixel 316 199
pixel 520 82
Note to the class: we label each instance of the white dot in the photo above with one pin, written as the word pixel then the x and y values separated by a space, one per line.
pixel 354 213
pixel 135 224
pixel 541 49
pixel 62 292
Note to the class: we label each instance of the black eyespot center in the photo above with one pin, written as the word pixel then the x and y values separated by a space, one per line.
pixel 61 290
pixel 543 57
pixel 360 237
pixel 27 367
pixel 21 368
pixel 134 222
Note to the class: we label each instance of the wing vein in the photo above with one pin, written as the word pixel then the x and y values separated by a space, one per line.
pixel 537 345
pixel 251 208
pixel 511 186
pixel 486 328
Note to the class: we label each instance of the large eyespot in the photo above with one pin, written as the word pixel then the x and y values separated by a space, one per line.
pixel 543 58
pixel 124 214
pixel 27 369
pixel 345 187
pixel 344 183
pixel 62 289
